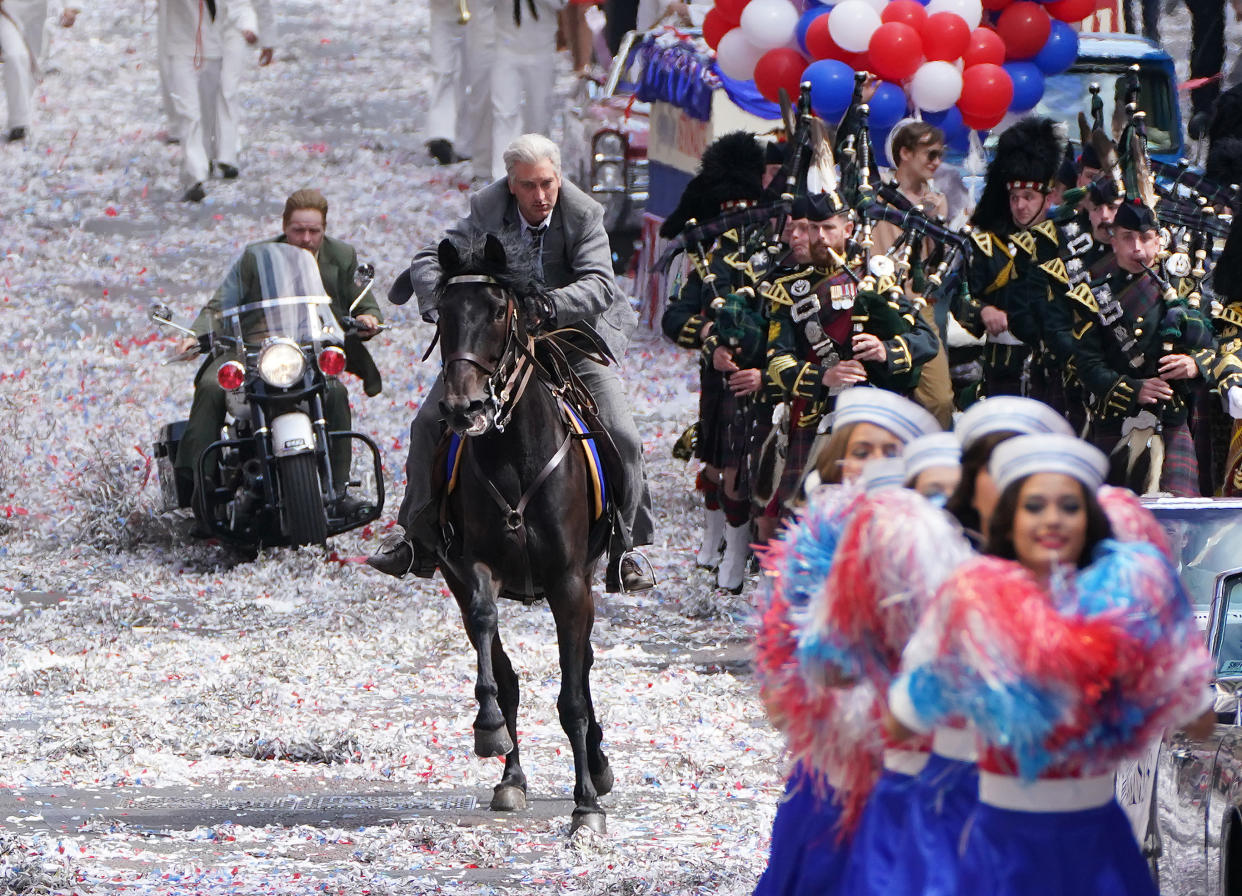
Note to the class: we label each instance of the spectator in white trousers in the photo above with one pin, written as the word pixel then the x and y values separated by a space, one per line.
pixel 203 48
pixel 21 41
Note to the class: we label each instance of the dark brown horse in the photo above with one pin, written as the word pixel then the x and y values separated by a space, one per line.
pixel 518 519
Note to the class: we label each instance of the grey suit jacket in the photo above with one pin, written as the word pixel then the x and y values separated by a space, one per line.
pixel 577 261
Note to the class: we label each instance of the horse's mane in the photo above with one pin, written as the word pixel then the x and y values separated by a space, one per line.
pixel 520 274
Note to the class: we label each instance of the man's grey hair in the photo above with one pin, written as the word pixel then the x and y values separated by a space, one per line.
pixel 531 149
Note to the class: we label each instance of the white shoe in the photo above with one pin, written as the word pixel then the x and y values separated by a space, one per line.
pixel 713 531
pixel 732 571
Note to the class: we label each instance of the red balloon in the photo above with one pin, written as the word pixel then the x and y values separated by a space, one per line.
pixel 1024 27
pixel 896 51
pixel 987 91
pixel 820 45
pixel 732 9
pixel 782 67
pixel 1071 10
pixel 985 46
pixel 946 37
pixel 716 26
pixel 996 5
pixel 908 12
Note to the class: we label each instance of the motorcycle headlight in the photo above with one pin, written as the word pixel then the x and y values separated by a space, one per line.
pixel 609 177
pixel 281 363
pixel 608 145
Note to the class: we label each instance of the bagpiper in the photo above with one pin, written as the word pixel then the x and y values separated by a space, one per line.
pixel 1012 234
pixel 716 313
pixel 834 325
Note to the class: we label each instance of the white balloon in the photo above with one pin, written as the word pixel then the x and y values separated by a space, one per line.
pixel 769 24
pixel 737 56
pixel 971 11
pixel 936 86
pixel 851 24
pixel 878 6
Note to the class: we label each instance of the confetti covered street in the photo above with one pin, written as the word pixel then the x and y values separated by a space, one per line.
pixel 179 717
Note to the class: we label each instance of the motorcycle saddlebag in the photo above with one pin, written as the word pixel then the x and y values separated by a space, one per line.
pixel 165 451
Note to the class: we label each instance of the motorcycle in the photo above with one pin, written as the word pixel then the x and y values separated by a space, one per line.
pixel 268 479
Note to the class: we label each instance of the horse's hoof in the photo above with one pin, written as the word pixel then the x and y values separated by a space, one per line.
pixel 492 743
pixel 508 798
pixel 603 781
pixel 591 819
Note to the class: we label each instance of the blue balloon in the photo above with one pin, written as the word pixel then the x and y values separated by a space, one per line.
pixel 888 106
pixel 804 22
pixel 832 88
pixel 879 147
pixel 1060 51
pixel 1028 85
pixel 956 134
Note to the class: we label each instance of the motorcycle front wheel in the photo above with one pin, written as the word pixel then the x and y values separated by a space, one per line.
pixel 301 502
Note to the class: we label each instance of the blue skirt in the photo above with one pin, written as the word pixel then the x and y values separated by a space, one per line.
pixel 946 792
pixel 1088 853
pixel 878 862
pixel 806 858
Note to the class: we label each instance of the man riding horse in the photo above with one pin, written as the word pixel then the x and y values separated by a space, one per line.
pixel 564 226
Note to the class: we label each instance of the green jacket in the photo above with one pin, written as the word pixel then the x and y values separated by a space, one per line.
pixel 338 262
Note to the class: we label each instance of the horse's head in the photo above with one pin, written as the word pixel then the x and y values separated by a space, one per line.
pixel 480 324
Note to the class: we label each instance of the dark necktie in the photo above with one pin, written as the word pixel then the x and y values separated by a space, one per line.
pixel 211 8
pixel 536 245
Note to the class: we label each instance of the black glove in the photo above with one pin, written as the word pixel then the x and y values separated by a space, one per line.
pixel 540 314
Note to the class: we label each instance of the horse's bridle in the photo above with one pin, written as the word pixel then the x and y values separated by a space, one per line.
pixel 509 377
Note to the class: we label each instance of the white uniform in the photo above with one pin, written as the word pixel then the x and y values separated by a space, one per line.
pixel 22 42
pixel 519 65
pixel 202 61
pixel 523 76
pixel 461 67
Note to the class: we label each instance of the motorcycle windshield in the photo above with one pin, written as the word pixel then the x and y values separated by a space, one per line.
pixel 281 295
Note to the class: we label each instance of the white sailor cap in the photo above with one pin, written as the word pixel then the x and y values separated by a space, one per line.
pixel 1023 455
pixel 1008 413
pixel 882 473
pixel 887 410
pixel 939 449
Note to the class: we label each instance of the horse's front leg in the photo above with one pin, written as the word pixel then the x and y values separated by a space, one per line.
pixel 477 601
pixel 572 607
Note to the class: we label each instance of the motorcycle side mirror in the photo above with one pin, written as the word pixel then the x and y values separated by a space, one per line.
pixel 162 314
pixel 364 277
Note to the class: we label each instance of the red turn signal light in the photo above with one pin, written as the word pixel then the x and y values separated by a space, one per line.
pixel 231 376
pixel 332 361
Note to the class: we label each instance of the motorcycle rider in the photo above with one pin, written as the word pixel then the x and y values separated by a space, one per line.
pixel 304 224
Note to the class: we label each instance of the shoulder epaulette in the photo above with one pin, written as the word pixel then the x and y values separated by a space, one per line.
pixel 1047 229
pixel 1083 295
pixel 983 241
pixel 1230 314
pixel 1056 270
pixel 1024 241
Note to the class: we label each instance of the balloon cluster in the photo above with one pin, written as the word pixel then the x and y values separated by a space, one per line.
pixel 963 63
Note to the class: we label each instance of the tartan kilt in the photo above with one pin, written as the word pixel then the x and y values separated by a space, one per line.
pixel 722 424
pixel 797 455
pixel 1179 476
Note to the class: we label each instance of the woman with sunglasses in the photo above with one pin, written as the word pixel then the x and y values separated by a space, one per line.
pixel 917 149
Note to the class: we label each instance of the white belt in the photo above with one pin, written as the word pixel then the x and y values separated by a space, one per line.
pixel 905 762
pixel 1048 795
pixel 1004 337
pixel 955 743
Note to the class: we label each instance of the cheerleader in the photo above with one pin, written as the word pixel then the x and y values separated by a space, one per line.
pixel 932 466
pixel 833 734
pixel 983 426
pixel 1068 651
